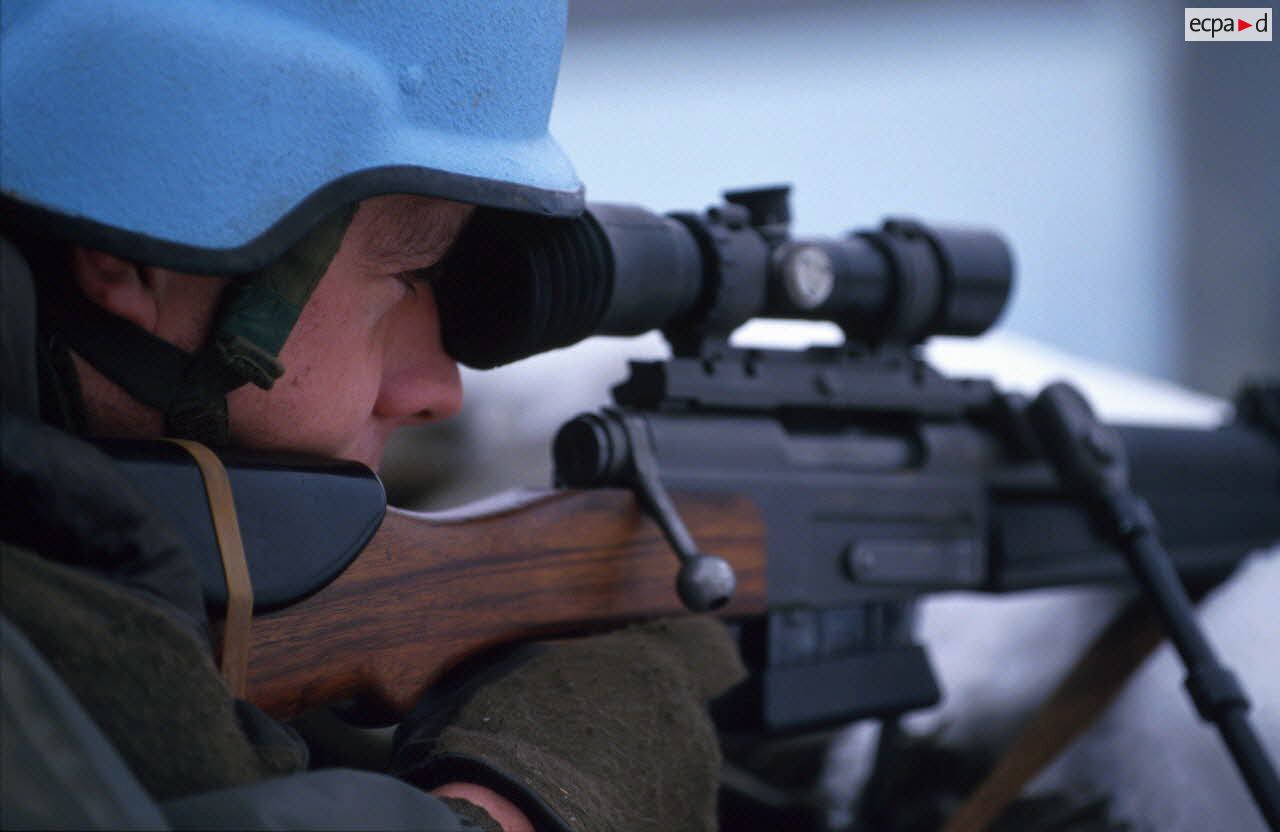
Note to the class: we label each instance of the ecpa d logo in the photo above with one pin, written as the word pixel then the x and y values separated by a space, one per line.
pixel 1227 24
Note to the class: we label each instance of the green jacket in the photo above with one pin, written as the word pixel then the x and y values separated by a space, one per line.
pixel 112 713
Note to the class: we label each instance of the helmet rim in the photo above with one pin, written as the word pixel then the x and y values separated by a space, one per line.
pixel 264 248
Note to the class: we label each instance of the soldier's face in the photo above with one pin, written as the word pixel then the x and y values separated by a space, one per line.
pixel 365 356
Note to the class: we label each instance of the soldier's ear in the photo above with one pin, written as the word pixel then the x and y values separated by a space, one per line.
pixel 121 287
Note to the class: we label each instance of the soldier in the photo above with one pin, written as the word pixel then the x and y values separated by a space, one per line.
pixel 232 215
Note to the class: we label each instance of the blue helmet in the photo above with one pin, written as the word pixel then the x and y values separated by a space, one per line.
pixel 209 135
pixel 235 137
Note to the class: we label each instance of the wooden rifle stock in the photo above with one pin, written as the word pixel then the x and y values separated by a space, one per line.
pixel 425 594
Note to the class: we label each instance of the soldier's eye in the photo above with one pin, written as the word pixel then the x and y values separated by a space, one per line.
pixel 418 277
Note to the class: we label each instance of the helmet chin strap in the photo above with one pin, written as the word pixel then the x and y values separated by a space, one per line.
pixel 253 321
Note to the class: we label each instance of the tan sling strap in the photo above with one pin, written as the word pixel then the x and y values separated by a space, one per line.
pixel 1093 682
pixel 222 509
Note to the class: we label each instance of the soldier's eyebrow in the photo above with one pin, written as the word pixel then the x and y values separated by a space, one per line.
pixel 410 238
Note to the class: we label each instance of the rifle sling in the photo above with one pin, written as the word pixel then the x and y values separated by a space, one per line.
pixel 234 661
pixel 1080 698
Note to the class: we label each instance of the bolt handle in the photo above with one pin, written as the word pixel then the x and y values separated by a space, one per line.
pixel 705 582
pixel 612 448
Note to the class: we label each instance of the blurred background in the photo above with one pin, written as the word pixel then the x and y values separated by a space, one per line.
pixel 1136 176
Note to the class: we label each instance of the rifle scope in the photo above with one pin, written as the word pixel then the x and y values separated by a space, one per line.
pixel 516 285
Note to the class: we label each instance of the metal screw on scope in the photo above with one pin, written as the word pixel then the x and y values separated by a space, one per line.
pixel 592 451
